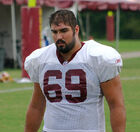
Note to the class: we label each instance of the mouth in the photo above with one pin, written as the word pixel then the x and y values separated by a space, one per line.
pixel 60 42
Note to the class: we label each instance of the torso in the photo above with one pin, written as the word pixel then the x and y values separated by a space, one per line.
pixel 73 93
pixel 74 100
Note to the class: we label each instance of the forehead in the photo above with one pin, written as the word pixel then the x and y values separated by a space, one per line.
pixel 59 26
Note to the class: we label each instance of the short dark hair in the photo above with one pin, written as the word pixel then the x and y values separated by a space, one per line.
pixel 65 16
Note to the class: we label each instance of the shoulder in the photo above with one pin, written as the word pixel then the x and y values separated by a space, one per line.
pixel 105 60
pixel 102 54
pixel 97 49
pixel 39 56
pixel 38 53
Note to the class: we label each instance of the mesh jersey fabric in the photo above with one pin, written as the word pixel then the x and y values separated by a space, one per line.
pixel 74 100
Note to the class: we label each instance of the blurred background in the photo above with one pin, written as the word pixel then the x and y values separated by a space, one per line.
pixel 24 27
pixel 104 20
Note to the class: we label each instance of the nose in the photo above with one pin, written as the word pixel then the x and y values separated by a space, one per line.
pixel 59 35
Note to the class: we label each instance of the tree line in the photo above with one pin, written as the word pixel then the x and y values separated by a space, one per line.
pixel 93 23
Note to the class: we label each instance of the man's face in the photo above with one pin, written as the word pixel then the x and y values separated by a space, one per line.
pixel 64 37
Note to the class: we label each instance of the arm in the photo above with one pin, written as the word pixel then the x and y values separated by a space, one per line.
pixel 112 90
pixel 35 110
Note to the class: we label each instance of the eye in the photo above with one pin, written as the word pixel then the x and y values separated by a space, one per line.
pixel 64 30
pixel 54 31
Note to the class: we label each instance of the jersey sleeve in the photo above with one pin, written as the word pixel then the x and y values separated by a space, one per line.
pixel 110 66
pixel 106 61
pixel 31 65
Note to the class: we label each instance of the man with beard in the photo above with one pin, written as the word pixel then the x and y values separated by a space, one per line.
pixel 71 79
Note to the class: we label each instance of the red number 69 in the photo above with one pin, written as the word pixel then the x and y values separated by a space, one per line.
pixel 81 86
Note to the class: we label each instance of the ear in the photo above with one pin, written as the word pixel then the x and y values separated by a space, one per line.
pixel 77 29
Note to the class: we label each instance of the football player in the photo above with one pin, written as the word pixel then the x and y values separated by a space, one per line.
pixel 71 79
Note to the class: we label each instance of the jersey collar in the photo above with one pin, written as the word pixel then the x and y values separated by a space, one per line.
pixel 61 59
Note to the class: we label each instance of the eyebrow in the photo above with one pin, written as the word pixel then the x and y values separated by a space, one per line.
pixel 61 30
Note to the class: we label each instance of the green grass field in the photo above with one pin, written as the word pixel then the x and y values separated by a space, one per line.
pixel 124 45
pixel 13 105
pixel 130 77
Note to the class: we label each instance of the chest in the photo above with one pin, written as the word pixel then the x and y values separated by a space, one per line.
pixel 71 83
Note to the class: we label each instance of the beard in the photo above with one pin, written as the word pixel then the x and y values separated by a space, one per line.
pixel 68 46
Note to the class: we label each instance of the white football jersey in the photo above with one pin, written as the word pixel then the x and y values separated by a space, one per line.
pixel 74 100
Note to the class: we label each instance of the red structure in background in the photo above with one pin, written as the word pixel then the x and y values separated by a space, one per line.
pixel 110 27
pixel 30 32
